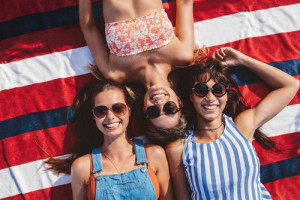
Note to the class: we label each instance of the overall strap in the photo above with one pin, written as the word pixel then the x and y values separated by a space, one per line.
pixel 97 161
pixel 139 151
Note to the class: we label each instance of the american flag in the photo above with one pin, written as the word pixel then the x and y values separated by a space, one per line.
pixel 43 59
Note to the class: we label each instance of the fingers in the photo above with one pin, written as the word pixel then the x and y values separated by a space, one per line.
pixel 219 54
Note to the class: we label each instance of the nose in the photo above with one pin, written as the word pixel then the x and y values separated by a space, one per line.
pixel 110 114
pixel 159 104
pixel 210 96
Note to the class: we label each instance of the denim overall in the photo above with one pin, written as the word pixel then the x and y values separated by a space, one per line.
pixel 135 184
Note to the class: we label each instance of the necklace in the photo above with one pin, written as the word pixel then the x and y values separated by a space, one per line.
pixel 119 171
pixel 210 129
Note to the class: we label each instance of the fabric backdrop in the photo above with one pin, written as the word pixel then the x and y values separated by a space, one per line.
pixel 42 66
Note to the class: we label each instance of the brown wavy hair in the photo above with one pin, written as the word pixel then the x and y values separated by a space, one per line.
pixel 183 79
pixel 85 129
pixel 163 136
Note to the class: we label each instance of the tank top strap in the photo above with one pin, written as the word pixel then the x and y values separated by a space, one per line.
pixel 97 161
pixel 139 151
pixel 189 136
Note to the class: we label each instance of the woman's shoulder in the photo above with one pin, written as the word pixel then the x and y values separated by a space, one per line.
pixel 177 144
pixel 80 170
pixel 82 163
pixel 154 150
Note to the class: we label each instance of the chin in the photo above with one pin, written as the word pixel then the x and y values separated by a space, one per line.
pixel 210 117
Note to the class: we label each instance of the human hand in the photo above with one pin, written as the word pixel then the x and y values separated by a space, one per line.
pixel 229 57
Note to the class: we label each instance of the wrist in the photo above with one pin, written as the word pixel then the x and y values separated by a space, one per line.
pixel 245 60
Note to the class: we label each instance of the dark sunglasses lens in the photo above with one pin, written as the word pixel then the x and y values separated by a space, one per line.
pixel 153 112
pixel 219 89
pixel 201 90
pixel 100 111
pixel 119 109
pixel 170 108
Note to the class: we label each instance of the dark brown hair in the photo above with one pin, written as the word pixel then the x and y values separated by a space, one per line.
pixel 162 136
pixel 183 80
pixel 85 129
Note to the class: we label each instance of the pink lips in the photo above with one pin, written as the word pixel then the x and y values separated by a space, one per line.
pixel 158 96
pixel 112 126
pixel 210 108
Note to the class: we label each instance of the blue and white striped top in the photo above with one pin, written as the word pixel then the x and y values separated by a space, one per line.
pixel 227 168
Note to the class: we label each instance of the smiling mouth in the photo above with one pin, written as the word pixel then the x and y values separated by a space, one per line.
pixel 112 125
pixel 158 96
pixel 209 107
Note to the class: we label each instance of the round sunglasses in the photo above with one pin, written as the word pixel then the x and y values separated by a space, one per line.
pixel 119 109
pixel 218 89
pixel 169 108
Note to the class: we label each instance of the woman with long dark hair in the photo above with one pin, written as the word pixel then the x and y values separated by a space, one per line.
pixel 107 164
pixel 140 47
pixel 216 160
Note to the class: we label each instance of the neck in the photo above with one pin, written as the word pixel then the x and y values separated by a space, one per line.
pixel 117 147
pixel 158 75
pixel 157 82
pixel 209 128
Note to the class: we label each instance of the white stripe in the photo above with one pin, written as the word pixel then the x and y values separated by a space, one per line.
pixel 248 149
pixel 45 68
pixel 185 153
pixel 210 32
pixel 207 172
pixel 287 121
pixel 192 163
pixel 240 158
pixel 28 177
pixel 233 167
pixel 200 175
pixel 216 170
pixel 225 167
pixel 244 25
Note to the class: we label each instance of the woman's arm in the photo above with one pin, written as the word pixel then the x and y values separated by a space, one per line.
pixel 79 177
pixel 158 162
pixel 284 87
pixel 179 180
pixel 184 31
pixel 94 39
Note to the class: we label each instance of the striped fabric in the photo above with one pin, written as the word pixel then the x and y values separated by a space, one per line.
pixel 42 67
pixel 227 168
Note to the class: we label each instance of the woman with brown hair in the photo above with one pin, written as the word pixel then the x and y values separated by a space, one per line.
pixel 140 47
pixel 107 164
pixel 216 160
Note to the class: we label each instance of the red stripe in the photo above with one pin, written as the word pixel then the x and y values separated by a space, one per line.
pixel 14 9
pixel 57 192
pixel 41 43
pixel 41 96
pixel 45 96
pixel 270 48
pixel 254 92
pixel 207 10
pixel 287 143
pixel 284 189
pixel 40 144
pixel 55 141
pixel 202 9
pixel 36 145
pixel 70 37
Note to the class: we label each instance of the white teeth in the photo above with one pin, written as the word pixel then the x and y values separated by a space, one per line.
pixel 112 125
pixel 158 96
pixel 209 107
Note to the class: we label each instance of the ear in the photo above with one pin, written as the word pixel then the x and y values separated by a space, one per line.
pixel 179 102
pixel 129 110
pixel 191 96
